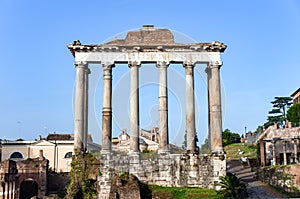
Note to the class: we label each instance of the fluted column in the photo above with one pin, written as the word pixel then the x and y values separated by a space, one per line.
pixel 134 107
pixel 190 108
pixel 86 107
pixel 79 106
pixel 163 107
pixel 107 108
pixel 215 110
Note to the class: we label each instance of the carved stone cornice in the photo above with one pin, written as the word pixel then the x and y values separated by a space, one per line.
pixel 147 47
pixel 196 47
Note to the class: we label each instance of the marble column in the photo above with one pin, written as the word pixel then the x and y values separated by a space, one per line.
pixel 79 106
pixel 190 108
pixel 107 108
pixel 284 152
pixel 296 150
pixel 134 107
pixel 215 110
pixel 274 152
pixel 209 92
pixel 163 107
pixel 86 107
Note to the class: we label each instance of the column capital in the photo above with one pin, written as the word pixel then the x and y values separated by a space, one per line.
pixel 188 64
pixel 215 64
pixel 81 64
pixel 88 71
pixel 133 64
pixel 162 64
pixel 108 66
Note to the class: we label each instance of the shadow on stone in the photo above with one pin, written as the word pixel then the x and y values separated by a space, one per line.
pixel 128 186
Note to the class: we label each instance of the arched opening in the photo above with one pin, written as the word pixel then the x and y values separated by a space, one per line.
pixel 68 155
pixel 28 189
pixel 16 155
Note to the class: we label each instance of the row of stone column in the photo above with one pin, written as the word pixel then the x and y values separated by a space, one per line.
pixel 284 142
pixel 9 188
pixel 214 99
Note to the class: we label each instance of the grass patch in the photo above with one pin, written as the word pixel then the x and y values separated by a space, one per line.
pixel 182 192
pixel 232 151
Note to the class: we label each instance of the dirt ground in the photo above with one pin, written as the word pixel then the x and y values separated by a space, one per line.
pixel 255 189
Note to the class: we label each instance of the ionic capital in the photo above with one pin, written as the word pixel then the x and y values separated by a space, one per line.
pixel 107 66
pixel 133 64
pixel 162 64
pixel 188 64
pixel 87 71
pixel 215 64
pixel 81 64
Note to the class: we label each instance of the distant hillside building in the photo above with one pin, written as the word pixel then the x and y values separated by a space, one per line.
pixel 249 137
pixel 148 140
pixel 279 146
pixel 296 96
pixel 57 148
pixel 152 135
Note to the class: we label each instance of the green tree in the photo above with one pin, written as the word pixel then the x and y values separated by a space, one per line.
pixel 293 114
pixel 184 143
pixel 231 186
pixel 229 137
pixel 259 129
pixel 278 114
pixel 205 147
pixel 82 183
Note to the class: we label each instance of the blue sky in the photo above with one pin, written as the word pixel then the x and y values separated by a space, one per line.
pixel 37 74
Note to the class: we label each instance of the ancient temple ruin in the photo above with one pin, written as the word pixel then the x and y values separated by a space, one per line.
pixel 155 46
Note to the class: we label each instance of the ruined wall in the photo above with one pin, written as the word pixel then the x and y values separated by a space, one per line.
pixel 57 182
pixel 284 178
pixel 170 170
pixel 34 170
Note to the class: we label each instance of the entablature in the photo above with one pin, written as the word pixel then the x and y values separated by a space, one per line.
pixel 197 47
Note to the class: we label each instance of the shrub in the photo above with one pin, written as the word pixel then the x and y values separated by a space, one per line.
pixel 231 186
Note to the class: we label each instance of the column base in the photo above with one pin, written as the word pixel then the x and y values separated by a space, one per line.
pixel 134 157
pixel 134 153
pixel 218 152
pixel 192 152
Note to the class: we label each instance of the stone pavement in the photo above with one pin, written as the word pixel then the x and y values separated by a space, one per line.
pixel 255 189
